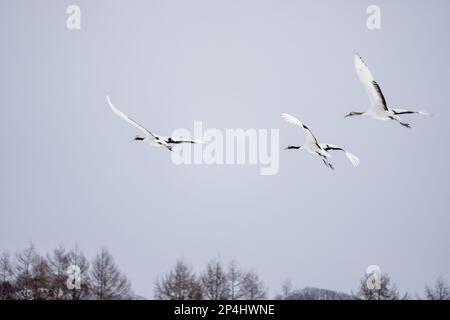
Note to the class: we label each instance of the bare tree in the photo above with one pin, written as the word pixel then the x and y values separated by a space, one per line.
pixel 58 263
pixel 311 293
pixel 440 290
pixel 214 281
pixel 234 277
pixel 107 282
pixel 77 258
pixel 252 287
pixel 41 280
pixel 25 262
pixel 33 275
pixel 7 288
pixel 387 290
pixel 286 291
pixel 179 284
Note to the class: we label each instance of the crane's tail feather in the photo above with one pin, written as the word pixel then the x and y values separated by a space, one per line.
pixel 425 113
pixel 353 159
pixel 399 111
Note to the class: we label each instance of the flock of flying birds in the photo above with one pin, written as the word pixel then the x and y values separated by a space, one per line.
pixel 378 110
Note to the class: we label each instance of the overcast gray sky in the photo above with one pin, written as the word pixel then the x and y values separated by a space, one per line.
pixel 70 172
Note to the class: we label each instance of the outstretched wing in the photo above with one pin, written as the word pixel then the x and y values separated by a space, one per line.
pixel 128 119
pixel 372 88
pixel 353 159
pixel 293 120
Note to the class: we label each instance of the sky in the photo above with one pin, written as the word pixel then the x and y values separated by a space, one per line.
pixel 71 174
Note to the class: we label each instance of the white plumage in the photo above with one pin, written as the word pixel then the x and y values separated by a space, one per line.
pixel 150 137
pixel 378 107
pixel 312 146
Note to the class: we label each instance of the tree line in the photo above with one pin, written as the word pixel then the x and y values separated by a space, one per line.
pixel 30 276
pixel 27 275
pixel 216 282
